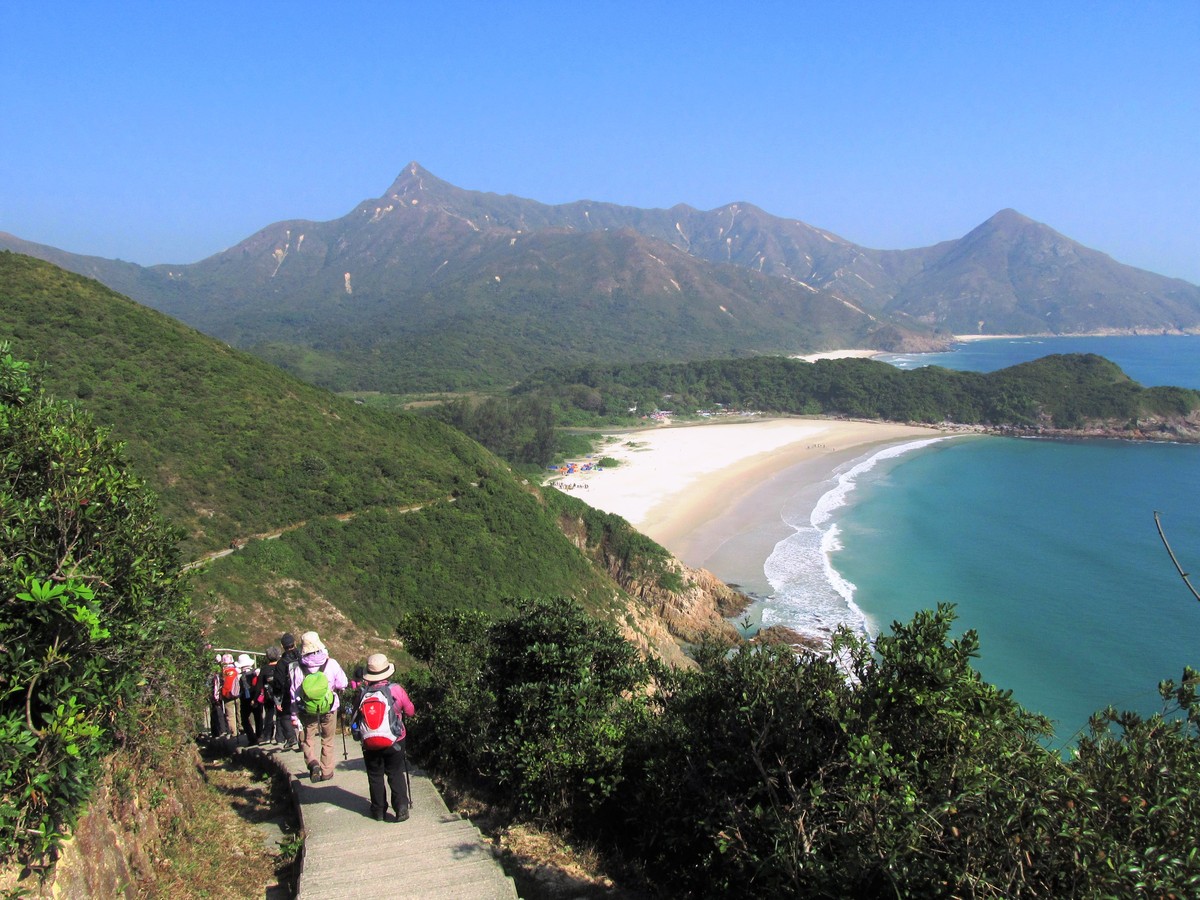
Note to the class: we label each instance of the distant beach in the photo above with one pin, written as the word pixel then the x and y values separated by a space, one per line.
pixel 711 493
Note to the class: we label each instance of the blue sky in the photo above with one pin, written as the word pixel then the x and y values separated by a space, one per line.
pixel 163 132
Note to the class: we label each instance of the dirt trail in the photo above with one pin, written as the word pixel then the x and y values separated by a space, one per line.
pixel 240 542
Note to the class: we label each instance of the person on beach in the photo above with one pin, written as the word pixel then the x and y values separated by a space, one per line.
pixel 317 679
pixel 382 707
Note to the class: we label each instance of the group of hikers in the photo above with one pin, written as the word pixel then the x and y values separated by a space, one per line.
pixel 296 699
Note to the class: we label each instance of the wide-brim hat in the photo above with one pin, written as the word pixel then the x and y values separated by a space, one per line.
pixel 310 642
pixel 378 668
pixel 244 661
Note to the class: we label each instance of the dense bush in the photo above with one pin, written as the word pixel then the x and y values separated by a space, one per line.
pixel 96 642
pixel 520 430
pixel 539 703
pixel 889 769
pixel 1065 390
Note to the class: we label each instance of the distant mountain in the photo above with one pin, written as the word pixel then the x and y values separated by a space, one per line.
pixel 1012 275
pixel 434 287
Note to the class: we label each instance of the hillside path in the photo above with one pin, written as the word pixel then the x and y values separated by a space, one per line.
pixel 434 854
pixel 240 543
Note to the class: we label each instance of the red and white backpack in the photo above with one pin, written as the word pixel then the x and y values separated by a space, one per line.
pixel 231 683
pixel 379 724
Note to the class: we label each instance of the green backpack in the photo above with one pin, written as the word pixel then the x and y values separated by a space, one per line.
pixel 316 698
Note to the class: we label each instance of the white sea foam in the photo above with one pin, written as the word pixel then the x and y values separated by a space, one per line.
pixel 808 593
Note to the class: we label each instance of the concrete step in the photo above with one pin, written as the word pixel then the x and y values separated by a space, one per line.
pixel 479 879
pixel 395 837
pixel 349 856
pixel 429 858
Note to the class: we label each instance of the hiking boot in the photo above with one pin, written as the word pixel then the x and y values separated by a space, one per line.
pixel 377 814
pixel 314 771
pixel 402 814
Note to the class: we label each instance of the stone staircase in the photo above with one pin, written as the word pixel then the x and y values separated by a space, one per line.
pixel 349 856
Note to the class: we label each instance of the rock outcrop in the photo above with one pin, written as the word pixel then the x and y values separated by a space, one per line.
pixel 670 604
pixel 115 843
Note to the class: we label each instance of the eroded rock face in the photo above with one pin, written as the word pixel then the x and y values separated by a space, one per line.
pixel 661 619
pixel 115 842
pixel 700 610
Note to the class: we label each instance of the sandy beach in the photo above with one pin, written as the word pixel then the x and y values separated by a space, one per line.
pixel 710 493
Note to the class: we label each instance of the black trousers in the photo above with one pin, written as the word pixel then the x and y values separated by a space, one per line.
pixel 266 729
pixel 247 711
pixel 284 729
pixel 385 769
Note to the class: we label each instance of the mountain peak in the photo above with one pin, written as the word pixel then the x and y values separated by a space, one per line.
pixel 413 179
pixel 1009 218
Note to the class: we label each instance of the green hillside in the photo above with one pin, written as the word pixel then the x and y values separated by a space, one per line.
pixel 398 512
pixel 232 445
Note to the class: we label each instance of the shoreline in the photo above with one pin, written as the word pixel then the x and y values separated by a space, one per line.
pixel 969 338
pixel 713 494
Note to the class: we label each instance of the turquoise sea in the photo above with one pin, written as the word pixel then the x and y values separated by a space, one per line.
pixel 1048 548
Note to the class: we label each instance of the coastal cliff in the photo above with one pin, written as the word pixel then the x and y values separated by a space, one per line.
pixel 1183 428
pixel 670 604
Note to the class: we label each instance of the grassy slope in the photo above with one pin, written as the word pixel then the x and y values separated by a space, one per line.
pixel 235 447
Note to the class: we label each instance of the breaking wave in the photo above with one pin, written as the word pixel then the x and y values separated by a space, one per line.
pixel 808 594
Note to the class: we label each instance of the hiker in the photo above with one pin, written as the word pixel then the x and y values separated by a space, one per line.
pixel 316 680
pixel 380 717
pixel 282 691
pixel 216 711
pixel 230 692
pixel 256 708
pixel 248 694
pixel 269 726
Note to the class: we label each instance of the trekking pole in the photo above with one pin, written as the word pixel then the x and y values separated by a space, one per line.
pixel 407 780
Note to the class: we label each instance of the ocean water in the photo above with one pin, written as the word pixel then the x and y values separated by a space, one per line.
pixel 1048 549
pixel 1147 359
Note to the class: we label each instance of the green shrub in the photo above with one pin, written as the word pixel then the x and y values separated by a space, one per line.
pixel 895 770
pixel 97 645
pixel 540 700
pixel 867 770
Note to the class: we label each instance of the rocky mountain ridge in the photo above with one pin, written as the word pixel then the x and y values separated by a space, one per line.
pixel 434 287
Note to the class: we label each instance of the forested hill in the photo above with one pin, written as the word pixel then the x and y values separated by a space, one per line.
pixel 400 513
pixel 1061 393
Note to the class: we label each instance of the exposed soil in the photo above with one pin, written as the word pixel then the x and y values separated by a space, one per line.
pixel 545 865
pixel 246 844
